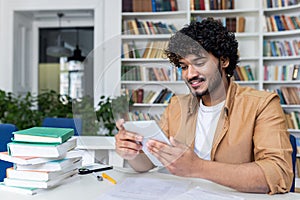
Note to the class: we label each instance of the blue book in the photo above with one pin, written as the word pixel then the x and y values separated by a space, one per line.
pixel 153 5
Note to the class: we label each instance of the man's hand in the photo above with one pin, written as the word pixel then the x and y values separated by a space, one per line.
pixel 128 144
pixel 178 158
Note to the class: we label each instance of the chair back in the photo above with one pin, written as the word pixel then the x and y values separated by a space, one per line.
pixel 294 157
pixel 5 137
pixel 75 123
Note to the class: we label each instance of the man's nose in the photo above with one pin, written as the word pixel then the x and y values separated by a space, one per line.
pixel 191 71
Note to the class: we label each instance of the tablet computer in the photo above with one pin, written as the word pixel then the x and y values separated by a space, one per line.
pixel 149 130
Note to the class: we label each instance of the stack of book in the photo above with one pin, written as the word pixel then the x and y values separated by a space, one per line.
pixel 43 158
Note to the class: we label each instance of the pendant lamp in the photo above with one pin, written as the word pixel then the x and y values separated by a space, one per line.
pixel 59 50
pixel 77 52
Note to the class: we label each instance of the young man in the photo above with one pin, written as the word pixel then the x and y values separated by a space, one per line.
pixel 232 135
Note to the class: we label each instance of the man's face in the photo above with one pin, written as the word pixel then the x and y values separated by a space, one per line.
pixel 202 73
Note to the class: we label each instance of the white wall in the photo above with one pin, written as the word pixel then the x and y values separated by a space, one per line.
pixel 107 42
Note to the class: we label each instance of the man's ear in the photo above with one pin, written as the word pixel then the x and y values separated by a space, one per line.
pixel 224 62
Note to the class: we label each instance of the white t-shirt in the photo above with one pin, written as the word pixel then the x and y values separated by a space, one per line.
pixel 208 117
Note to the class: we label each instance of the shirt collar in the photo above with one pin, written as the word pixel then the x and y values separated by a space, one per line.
pixel 230 97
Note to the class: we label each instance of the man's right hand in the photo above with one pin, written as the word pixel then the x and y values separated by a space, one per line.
pixel 128 144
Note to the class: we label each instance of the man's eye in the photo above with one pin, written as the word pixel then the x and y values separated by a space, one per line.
pixel 198 64
pixel 183 67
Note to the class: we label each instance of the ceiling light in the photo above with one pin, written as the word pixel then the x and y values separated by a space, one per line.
pixel 77 52
pixel 59 50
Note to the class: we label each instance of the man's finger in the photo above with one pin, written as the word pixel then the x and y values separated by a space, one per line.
pixel 119 124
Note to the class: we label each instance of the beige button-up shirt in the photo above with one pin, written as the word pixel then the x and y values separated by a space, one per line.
pixel 251 128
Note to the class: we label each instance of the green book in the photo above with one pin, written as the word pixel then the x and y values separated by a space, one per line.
pixel 43 135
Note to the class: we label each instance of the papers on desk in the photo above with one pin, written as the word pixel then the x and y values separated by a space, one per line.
pixel 197 192
pixel 146 189
pixel 161 189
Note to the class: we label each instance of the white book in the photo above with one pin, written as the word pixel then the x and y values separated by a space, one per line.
pixel 51 166
pixel 20 190
pixel 40 184
pixel 41 149
pixel 30 160
pixel 40 175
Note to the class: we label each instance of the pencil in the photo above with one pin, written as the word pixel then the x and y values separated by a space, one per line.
pixel 104 175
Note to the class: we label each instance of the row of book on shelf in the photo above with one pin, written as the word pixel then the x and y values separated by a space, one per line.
pixel 211 4
pixel 281 48
pixel 293 120
pixel 288 95
pixel 143 73
pixel 153 49
pixel 281 72
pixel 233 24
pixel 149 5
pixel 140 95
pixel 276 23
pixel 42 158
pixel 279 3
pixel 145 27
pixel 243 73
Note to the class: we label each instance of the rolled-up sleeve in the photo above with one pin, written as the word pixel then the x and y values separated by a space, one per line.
pixel 272 147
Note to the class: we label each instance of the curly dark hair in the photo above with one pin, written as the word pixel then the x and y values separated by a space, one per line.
pixel 210 35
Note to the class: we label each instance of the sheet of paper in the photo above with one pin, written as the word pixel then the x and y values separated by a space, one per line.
pixel 197 192
pixel 146 189
pixel 149 130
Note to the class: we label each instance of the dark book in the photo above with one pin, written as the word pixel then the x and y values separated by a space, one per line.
pixel 168 97
pixel 158 4
pixel 279 23
pixel 164 96
pixel 139 26
pixel 126 5
pixel 231 24
pixel 166 5
pixel 230 4
pixel 282 100
pixel 161 94
pixel 196 4
pixel 140 95
pixel 236 76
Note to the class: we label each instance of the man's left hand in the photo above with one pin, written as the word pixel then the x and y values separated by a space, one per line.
pixel 179 159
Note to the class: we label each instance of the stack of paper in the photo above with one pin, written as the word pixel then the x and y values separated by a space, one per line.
pixel 43 158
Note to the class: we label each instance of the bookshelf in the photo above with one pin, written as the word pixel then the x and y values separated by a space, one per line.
pixel 251 44
pixel 152 43
pixel 281 51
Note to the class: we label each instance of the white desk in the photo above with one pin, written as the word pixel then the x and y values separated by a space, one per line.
pixel 99 148
pixel 86 187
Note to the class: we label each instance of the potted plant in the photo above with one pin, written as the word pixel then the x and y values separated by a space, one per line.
pixel 110 109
